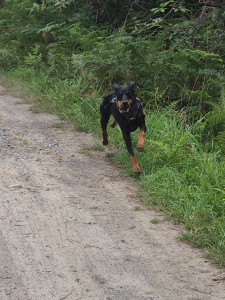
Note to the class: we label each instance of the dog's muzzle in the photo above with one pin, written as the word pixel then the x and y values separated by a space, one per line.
pixel 124 107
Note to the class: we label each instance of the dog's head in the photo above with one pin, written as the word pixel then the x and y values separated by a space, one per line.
pixel 125 96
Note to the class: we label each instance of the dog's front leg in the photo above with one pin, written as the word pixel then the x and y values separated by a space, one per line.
pixel 105 137
pixel 135 164
pixel 105 115
pixel 141 141
pixel 104 132
pixel 133 158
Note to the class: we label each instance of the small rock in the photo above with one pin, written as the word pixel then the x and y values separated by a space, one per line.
pixel 19 186
pixel 8 293
pixel 101 281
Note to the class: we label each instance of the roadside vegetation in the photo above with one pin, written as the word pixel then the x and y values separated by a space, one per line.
pixel 69 53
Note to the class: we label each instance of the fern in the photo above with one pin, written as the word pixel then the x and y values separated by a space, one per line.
pixel 215 123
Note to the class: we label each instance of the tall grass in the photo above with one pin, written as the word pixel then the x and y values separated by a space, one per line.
pixel 187 182
pixel 178 176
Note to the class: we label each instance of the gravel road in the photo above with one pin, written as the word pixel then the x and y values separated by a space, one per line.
pixel 68 227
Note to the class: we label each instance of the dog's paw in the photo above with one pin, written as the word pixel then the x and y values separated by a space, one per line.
pixel 105 142
pixel 140 148
pixel 137 171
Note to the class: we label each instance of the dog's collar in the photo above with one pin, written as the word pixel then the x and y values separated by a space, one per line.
pixel 131 115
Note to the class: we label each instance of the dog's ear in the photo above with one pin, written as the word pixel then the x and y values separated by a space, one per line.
pixel 131 84
pixel 115 86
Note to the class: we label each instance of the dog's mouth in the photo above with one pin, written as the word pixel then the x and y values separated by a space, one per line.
pixel 124 110
pixel 124 107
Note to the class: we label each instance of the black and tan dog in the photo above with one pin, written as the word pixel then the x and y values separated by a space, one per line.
pixel 126 109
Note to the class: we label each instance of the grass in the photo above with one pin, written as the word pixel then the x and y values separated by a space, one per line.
pixel 178 175
pixel 97 147
pixel 155 221
pixel 137 208
pixel 58 125
pixel 87 150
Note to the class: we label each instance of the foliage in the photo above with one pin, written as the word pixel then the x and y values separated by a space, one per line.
pixel 71 52
pixel 33 58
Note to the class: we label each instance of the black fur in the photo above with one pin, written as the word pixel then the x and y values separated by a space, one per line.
pixel 126 109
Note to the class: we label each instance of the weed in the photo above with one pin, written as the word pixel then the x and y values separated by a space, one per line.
pixel 35 110
pixel 155 221
pixel 137 208
pixel 58 125
pixel 97 147
pixel 85 151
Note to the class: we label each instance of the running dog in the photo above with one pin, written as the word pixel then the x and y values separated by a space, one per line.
pixel 125 107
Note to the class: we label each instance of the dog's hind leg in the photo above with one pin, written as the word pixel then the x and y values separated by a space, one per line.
pixel 113 123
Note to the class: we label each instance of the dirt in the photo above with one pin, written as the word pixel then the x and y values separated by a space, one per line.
pixel 68 224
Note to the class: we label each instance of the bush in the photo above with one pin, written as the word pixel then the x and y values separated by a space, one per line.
pixel 7 59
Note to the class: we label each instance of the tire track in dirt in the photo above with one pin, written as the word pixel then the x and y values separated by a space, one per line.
pixel 68 228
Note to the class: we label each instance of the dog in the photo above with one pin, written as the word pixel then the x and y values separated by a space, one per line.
pixel 125 107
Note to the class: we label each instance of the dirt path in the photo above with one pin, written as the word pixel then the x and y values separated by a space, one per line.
pixel 68 228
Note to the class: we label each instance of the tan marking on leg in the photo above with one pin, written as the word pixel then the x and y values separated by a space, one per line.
pixel 135 164
pixel 141 142
pixel 113 123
